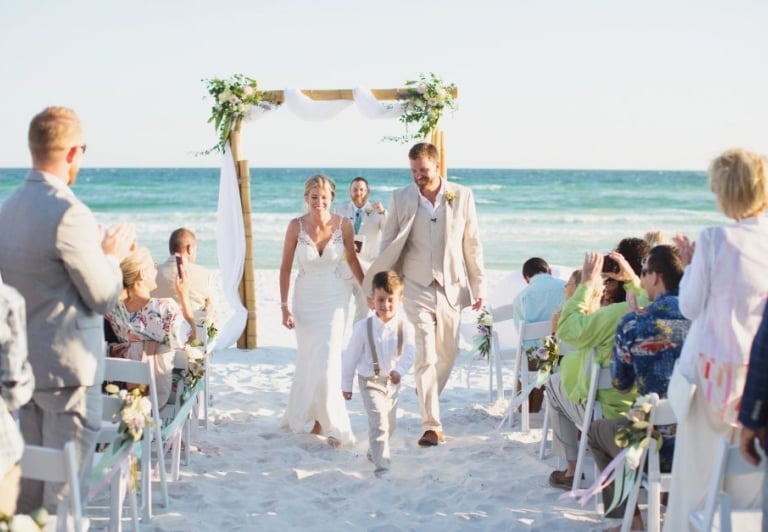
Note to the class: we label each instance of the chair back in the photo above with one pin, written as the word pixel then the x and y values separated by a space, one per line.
pixel 728 463
pixel 534 330
pixel 56 465
pixel 503 336
pixel 600 379
pixel 137 372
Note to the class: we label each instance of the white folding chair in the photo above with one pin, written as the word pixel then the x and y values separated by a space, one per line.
pixel 120 483
pixel 57 465
pixel 205 397
pixel 500 351
pixel 171 411
pixel 654 481
pixel 728 463
pixel 600 379
pixel 135 372
pixel 534 331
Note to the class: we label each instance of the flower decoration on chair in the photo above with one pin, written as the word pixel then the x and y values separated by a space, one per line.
pixel 195 370
pixel 35 521
pixel 622 471
pixel 636 433
pixel 135 414
pixel 425 100
pixel 484 334
pixel 546 357
pixel 233 99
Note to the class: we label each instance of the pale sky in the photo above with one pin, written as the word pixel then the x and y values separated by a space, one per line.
pixel 657 84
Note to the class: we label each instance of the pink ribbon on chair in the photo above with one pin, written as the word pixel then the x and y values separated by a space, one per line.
pixel 125 454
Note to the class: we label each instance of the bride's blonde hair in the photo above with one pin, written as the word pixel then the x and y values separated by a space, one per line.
pixel 320 181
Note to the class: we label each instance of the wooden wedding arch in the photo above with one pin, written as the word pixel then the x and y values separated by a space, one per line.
pixel 248 339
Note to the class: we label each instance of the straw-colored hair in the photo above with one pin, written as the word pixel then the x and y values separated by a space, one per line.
pixel 657 238
pixel 53 129
pixel 132 265
pixel 320 181
pixel 738 180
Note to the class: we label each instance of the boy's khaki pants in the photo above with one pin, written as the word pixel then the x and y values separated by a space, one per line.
pixel 382 410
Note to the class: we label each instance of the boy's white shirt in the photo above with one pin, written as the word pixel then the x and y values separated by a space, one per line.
pixel 357 357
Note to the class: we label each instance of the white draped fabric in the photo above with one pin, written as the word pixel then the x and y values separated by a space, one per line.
pixel 311 110
pixel 230 247
pixel 230 233
pixel 372 108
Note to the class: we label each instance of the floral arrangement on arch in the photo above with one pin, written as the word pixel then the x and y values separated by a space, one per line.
pixel 484 335
pixel 233 98
pixel 546 357
pixel 425 100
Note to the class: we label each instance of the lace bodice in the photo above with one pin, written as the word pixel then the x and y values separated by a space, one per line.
pixel 310 260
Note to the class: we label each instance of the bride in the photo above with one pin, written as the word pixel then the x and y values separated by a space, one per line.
pixel 320 241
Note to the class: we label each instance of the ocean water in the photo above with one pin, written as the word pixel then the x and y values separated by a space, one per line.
pixel 554 214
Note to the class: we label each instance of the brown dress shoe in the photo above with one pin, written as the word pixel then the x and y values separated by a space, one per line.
pixel 431 438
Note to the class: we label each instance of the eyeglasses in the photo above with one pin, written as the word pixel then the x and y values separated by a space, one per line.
pixel 645 271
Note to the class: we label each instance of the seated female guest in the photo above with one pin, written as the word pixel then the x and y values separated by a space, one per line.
pixel 150 326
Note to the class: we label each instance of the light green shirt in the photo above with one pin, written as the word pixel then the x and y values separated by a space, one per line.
pixel 584 332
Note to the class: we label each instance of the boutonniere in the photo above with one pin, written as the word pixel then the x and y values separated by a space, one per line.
pixel 368 211
pixel 449 197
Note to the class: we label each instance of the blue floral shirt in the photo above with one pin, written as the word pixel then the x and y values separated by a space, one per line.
pixel 646 347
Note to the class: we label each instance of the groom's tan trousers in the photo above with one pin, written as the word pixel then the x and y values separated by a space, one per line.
pixel 437 333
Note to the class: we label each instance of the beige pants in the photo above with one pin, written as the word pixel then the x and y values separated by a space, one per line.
pixel 437 335
pixel 382 420
pixel 566 417
pixel 9 490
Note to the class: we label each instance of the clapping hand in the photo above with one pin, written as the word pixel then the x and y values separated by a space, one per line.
pixel 394 376
pixel 378 206
pixel 686 248
pixel 119 240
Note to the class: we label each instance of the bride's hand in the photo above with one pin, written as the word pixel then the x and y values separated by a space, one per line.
pixel 287 319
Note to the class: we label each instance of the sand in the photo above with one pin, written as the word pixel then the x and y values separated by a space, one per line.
pixel 248 474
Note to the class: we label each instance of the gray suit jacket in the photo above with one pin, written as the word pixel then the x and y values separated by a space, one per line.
pixel 50 250
pixel 463 268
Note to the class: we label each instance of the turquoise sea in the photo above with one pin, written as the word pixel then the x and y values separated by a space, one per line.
pixel 555 214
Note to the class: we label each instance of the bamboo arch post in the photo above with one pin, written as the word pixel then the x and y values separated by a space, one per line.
pixel 248 339
pixel 438 140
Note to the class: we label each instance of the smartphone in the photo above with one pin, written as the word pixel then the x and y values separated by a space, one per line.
pixel 178 265
pixel 610 265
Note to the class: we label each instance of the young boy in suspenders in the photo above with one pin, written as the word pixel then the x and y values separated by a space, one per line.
pixel 380 351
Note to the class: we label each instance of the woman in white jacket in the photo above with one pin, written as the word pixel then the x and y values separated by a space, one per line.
pixel 723 291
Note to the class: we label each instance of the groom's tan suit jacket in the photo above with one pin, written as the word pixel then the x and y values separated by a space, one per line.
pixel 462 254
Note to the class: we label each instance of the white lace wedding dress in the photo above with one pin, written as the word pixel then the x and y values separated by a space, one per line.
pixel 320 298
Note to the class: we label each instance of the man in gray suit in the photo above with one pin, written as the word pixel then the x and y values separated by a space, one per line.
pixel 431 237
pixel 68 271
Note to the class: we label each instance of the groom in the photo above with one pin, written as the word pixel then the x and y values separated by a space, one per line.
pixel 431 237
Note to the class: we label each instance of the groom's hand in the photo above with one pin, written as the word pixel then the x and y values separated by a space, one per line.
pixel 478 304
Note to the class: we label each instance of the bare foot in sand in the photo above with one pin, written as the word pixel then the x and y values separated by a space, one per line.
pixel 317 429
pixel 333 442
